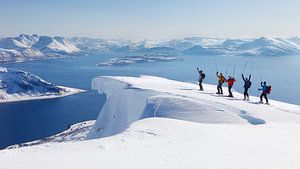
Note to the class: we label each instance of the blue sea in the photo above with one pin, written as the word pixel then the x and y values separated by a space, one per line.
pixel 35 119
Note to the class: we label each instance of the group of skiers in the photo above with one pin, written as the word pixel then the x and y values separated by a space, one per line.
pixel 231 80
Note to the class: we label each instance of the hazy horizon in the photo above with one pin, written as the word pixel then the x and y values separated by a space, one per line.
pixel 170 38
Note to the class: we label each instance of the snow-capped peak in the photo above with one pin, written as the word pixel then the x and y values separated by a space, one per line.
pixel 262 46
pixel 24 47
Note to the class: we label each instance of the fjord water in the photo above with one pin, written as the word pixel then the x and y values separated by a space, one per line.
pixel 29 120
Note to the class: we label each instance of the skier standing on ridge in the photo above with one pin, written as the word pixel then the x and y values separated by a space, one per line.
pixel 265 91
pixel 247 85
pixel 221 80
pixel 230 81
pixel 201 78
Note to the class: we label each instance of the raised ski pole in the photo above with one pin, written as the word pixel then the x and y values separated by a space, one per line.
pixel 245 67
pixel 226 70
pixel 233 70
pixel 260 74
pixel 252 68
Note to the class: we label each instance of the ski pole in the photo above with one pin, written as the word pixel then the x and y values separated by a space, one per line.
pixel 260 78
pixel 252 68
pixel 260 74
pixel 226 70
pixel 233 70
pixel 217 68
pixel 245 67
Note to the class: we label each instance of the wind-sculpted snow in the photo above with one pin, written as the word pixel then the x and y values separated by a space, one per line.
pixel 122 61
pixel 31 47
pixel 121 99
pixel 16 85
pixel 130 99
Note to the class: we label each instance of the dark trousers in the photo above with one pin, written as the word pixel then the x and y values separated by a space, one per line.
pixel 246 95
pixel 229 91
pixel 220 90
pixel 200 84
pixel 264 94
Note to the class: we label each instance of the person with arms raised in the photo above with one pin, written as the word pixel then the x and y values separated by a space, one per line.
pixel 247 85
pixel 230 81
pixel 221 80
pixel 200 79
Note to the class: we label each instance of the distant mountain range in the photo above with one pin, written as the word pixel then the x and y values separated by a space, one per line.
pixel 30 47
pixel 196 46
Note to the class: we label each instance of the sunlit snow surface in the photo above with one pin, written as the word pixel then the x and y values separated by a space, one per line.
pixel 154 122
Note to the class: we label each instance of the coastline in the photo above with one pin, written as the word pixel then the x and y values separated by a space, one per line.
pixel 74 132
pixel 18 98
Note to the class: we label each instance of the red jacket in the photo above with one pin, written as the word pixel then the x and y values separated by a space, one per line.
pixel 230 81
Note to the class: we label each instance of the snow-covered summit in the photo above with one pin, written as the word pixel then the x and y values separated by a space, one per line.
pixel 159 123
pixel 27 47
pixel 167 98
pixel 16 85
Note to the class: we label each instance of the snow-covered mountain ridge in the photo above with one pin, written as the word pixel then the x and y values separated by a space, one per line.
pixel 196 46
pixel 152 122
pixel 31 47
pixel 17 85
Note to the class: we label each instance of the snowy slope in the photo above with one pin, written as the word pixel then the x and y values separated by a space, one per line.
pixel 165 143
pixel 16 85
pixel 28 47
pixel 159 123
pixel 76 132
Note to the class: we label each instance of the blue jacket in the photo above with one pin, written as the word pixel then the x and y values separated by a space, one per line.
pixel 264 88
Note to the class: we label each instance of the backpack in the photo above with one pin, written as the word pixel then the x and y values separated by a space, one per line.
pixel 269 88
pixel 222 79
pixel 248 84
pixel 203 76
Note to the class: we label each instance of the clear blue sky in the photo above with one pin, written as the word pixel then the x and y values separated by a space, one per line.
pixel 151 19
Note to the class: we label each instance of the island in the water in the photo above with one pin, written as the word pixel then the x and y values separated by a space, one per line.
pixel 122 61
